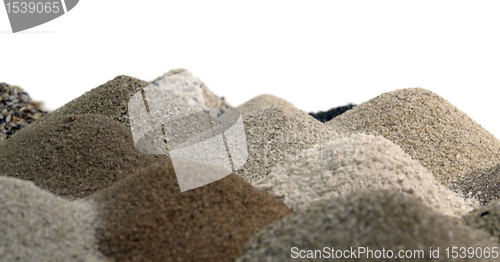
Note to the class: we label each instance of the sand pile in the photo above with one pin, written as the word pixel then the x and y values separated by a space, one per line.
pixel 325 116
pixel 72 155
pixel 486 218
pixel 17 110
pixel 147 218
pixel 371 219
pixel 275 135
pixel 349 164
pixel 109 99
pixel 211 99
pixel 429 128
pixel 38 226
pixel 483 185
pixel 262 102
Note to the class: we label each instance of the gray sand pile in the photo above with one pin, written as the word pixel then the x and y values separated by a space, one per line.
pixel 275 135
pixel 17 110
pixel 38 226
pixel 325 116
pixel 146 217
pixel 262 102
pixel 486 218
pixel 426 126
pixel 349 164
pixel 483 185
pixel 375 220
pixel 109 99
pixel 211 99
pixel 72 155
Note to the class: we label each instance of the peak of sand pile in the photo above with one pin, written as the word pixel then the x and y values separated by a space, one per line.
pixel 275 135
pixel 357 162
pixel 483 185
pixel 325 116
pixel 211 99
pixel 72 155
pixel 109 99
pixel 262 102
pixel 35 225
pixel 146 218
pixel 426 126
pixel 17 110
pixel 372 219
pixel 486 218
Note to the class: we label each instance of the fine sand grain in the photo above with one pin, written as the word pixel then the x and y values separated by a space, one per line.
pixel 35 225
pixel 375 219
pixel 211 99
pixel 262 102
pixel 486 218
pixel 72 155
pixel 275 135
pixel 349 164
pixel 427 127
pixel 483 185
pixel 146 217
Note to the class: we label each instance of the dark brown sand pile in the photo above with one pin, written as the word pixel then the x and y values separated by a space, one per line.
pixel 17 110
pixel 35 225
pixel 486 218
pixel 275 136
pixel 444 139
pixel 483 185
pixel 72 155
pixel 147 218
pixel 325 116
pixel 109 99
pixel 211 99
pixel 262 102
pixel 375 220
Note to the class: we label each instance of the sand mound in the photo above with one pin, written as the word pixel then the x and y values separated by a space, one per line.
pixel 72 155
pixel 109 99
pixel 211 99
pixel 325 116
pixel 357 162
pixel 483 185
pixel 147 218
pixel 429 128
pixel 275 135
pixel 262 102
pixel 486 218
pixel 375 220
pixel 38 226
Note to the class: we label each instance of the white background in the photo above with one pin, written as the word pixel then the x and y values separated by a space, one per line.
pixel 315 54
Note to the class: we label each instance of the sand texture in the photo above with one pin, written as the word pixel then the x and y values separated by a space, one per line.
pixel 264 101
pixel 483 185
pixel 486 218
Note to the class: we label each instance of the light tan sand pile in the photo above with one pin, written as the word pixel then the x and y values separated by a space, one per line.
pixel 211 99
pixel 357 162
pixel 486 218
pixel 429 128
pixel 275 135
pixel 262 102
pixel 38 226
pixel 375 220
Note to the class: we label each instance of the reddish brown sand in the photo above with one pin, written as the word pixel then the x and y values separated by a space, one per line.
pixel 146 217
pixel 72 155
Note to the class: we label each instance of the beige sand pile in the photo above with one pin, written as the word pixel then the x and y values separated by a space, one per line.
pixel 262 102
pixel 357 162
pixel 211 99
pixel 486 218
pixel 375 220
pixel 73 155
pixel 38 226
pixel 146 217
pixel 483 185
pixel 275 135
pixel 429 128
